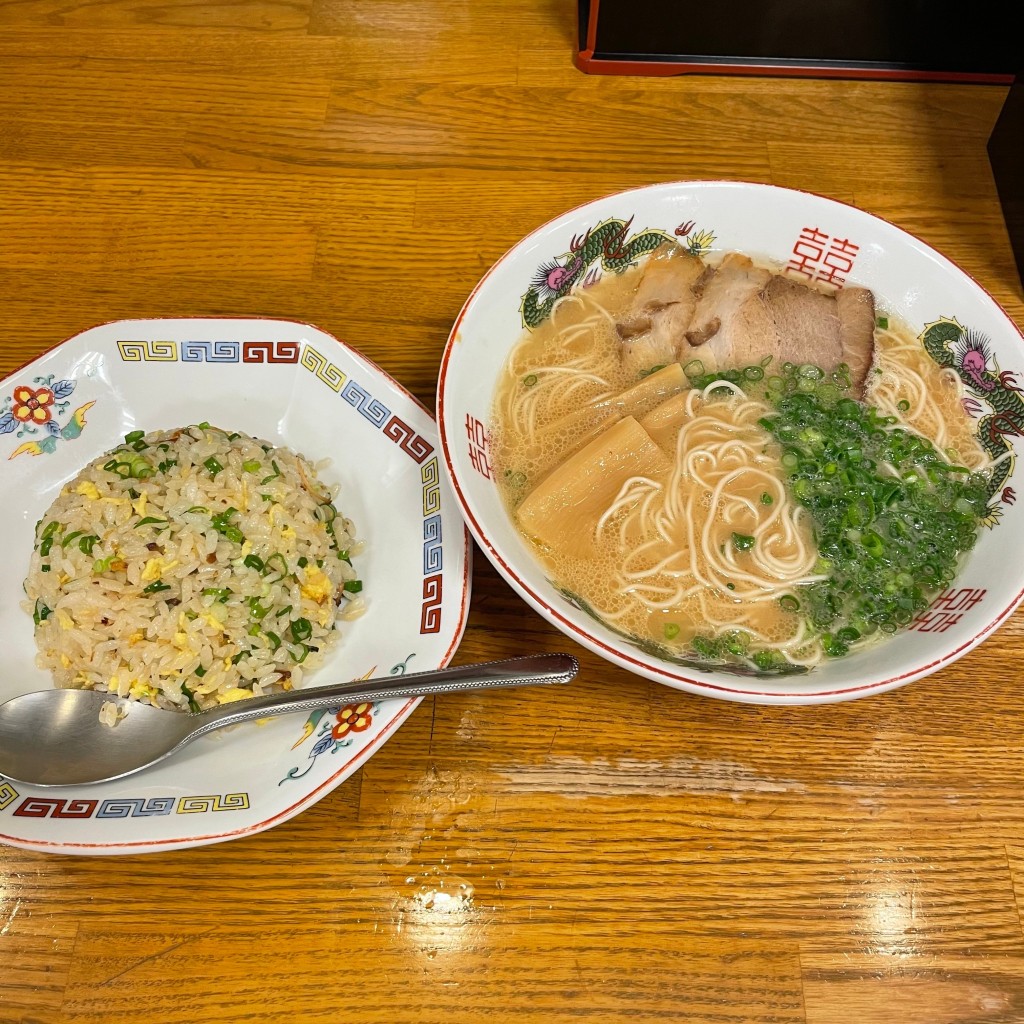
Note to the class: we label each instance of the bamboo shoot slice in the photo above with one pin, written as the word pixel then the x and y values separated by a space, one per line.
pixel 563 510
pixel 663 422
pixel 636 400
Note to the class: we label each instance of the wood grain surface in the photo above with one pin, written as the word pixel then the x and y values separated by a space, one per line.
pixel 612 851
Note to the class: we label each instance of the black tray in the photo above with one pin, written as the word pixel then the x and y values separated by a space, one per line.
pixel 925 40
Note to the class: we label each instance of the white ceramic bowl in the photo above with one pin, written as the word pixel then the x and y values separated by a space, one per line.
pixel 288 383
pixel 826 239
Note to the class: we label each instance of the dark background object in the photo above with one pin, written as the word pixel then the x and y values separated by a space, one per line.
pixel 912 39
pixel 1006 155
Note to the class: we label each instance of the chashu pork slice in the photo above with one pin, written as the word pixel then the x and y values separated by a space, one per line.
pixel 719 331
pixel 857 333
pixel 739 321
pixel 653 327
pixel 824 329
pixel 807 322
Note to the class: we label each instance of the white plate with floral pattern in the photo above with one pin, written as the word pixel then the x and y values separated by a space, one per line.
pixel 957 322
pixel 288 383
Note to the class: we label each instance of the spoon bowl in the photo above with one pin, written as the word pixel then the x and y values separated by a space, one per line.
pixel 56 738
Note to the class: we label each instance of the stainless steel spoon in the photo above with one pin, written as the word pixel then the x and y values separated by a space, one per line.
pixel 55 737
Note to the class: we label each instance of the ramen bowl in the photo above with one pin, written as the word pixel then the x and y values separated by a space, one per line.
pixel 807 237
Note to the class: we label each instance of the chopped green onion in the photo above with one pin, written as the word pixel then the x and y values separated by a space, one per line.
pixel 134 467
pixel 277 563
pixel 671 630
pixel 301 629
pixel 86 544
pixel 213 466
pixel 789 603
pixel 250 465
pixel 353 586
pixel 275 640
pixel 70 537
pixel 46 541
pixel 873 543
pixel 40 613
pixel 529 380
pixel 274 475
pixel 220 593
pixel 155 587
pixel 135 435
pixel 103 564
pixel 200 672
pixel 193 704
pixel 151 521
pixel 742 541
pixel 766 499
pixel 253 562
pixel 326 512
pixel 833 647
pixel 303 561
pixel 225 529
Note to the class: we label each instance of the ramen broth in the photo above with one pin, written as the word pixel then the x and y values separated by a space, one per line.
pixel 642 495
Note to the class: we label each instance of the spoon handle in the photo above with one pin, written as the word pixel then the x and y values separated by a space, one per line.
pixel 533 670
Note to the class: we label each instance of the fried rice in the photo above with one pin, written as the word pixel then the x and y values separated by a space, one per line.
pixel 190 567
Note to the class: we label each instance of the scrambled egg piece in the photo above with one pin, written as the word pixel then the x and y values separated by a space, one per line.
pixel 155 568
pixel 211 620
pixel 88 490
pixel 140 504
pixel 139 689
pixel 317 586
pixel 235 693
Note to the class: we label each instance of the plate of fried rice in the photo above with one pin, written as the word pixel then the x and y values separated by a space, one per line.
pixel 204 510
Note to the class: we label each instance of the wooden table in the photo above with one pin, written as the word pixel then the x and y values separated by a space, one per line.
pixel 612 851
